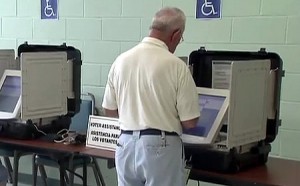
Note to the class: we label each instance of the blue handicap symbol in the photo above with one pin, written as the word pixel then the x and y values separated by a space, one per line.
pixel 208 9
pixel 49 9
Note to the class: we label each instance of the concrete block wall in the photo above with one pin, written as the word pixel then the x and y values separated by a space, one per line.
pixel 102 29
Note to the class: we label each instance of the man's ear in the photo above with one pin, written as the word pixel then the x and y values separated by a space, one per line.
pixel 176 34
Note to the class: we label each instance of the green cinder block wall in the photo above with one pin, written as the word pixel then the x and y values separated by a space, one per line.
pixel 102 29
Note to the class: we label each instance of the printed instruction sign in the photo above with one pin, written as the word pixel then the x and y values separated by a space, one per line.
pixel 208 9
pixel 49 9
pixel 103 132
pixel 221 74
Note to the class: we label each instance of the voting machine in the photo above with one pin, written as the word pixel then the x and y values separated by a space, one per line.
pixel 40 86
pixel 250 121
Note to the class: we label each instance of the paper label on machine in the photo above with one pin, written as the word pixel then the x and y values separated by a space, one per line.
pixel 221 74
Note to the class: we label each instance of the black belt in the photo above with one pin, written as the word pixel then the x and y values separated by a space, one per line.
pixel 150 132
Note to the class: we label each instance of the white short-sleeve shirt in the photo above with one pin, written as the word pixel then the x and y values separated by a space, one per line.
pixel 151 88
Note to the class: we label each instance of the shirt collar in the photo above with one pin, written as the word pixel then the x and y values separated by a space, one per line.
pixel 154 41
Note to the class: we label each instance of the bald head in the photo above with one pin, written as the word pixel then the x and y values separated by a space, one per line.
pixel 168 25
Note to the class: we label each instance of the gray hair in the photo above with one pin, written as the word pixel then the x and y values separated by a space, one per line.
pixel 168 19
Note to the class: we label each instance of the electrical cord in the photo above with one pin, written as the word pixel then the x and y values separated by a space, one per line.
pixel 37 129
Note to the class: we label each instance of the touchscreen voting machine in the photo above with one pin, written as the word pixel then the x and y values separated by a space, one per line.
pixel 10 94
pixel 251 121
pixel 213 105
pixel 44 91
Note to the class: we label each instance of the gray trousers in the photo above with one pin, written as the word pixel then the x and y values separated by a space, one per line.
pixel 150 160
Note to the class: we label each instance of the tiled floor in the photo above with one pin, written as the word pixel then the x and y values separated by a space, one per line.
pixel 26 180
pixel 20 184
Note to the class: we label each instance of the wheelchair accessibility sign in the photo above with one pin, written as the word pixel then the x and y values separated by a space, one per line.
pixel 208 9
pixel 49 9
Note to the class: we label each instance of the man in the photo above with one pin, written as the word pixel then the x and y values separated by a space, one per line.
pixel 153 94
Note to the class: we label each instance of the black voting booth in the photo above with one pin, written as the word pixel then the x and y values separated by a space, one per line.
pixel 232 160
pixel 73 102
pixel 16 128
pixel 74 57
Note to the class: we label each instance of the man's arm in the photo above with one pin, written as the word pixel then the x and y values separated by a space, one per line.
pixel 111 113
pixel 190 123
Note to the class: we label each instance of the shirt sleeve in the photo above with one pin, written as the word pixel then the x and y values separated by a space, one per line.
pixel 109 98
pixel 187 97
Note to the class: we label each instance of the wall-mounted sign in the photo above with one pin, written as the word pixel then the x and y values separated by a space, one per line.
pixel 208 9
pixel 103 132
pixel 49 9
